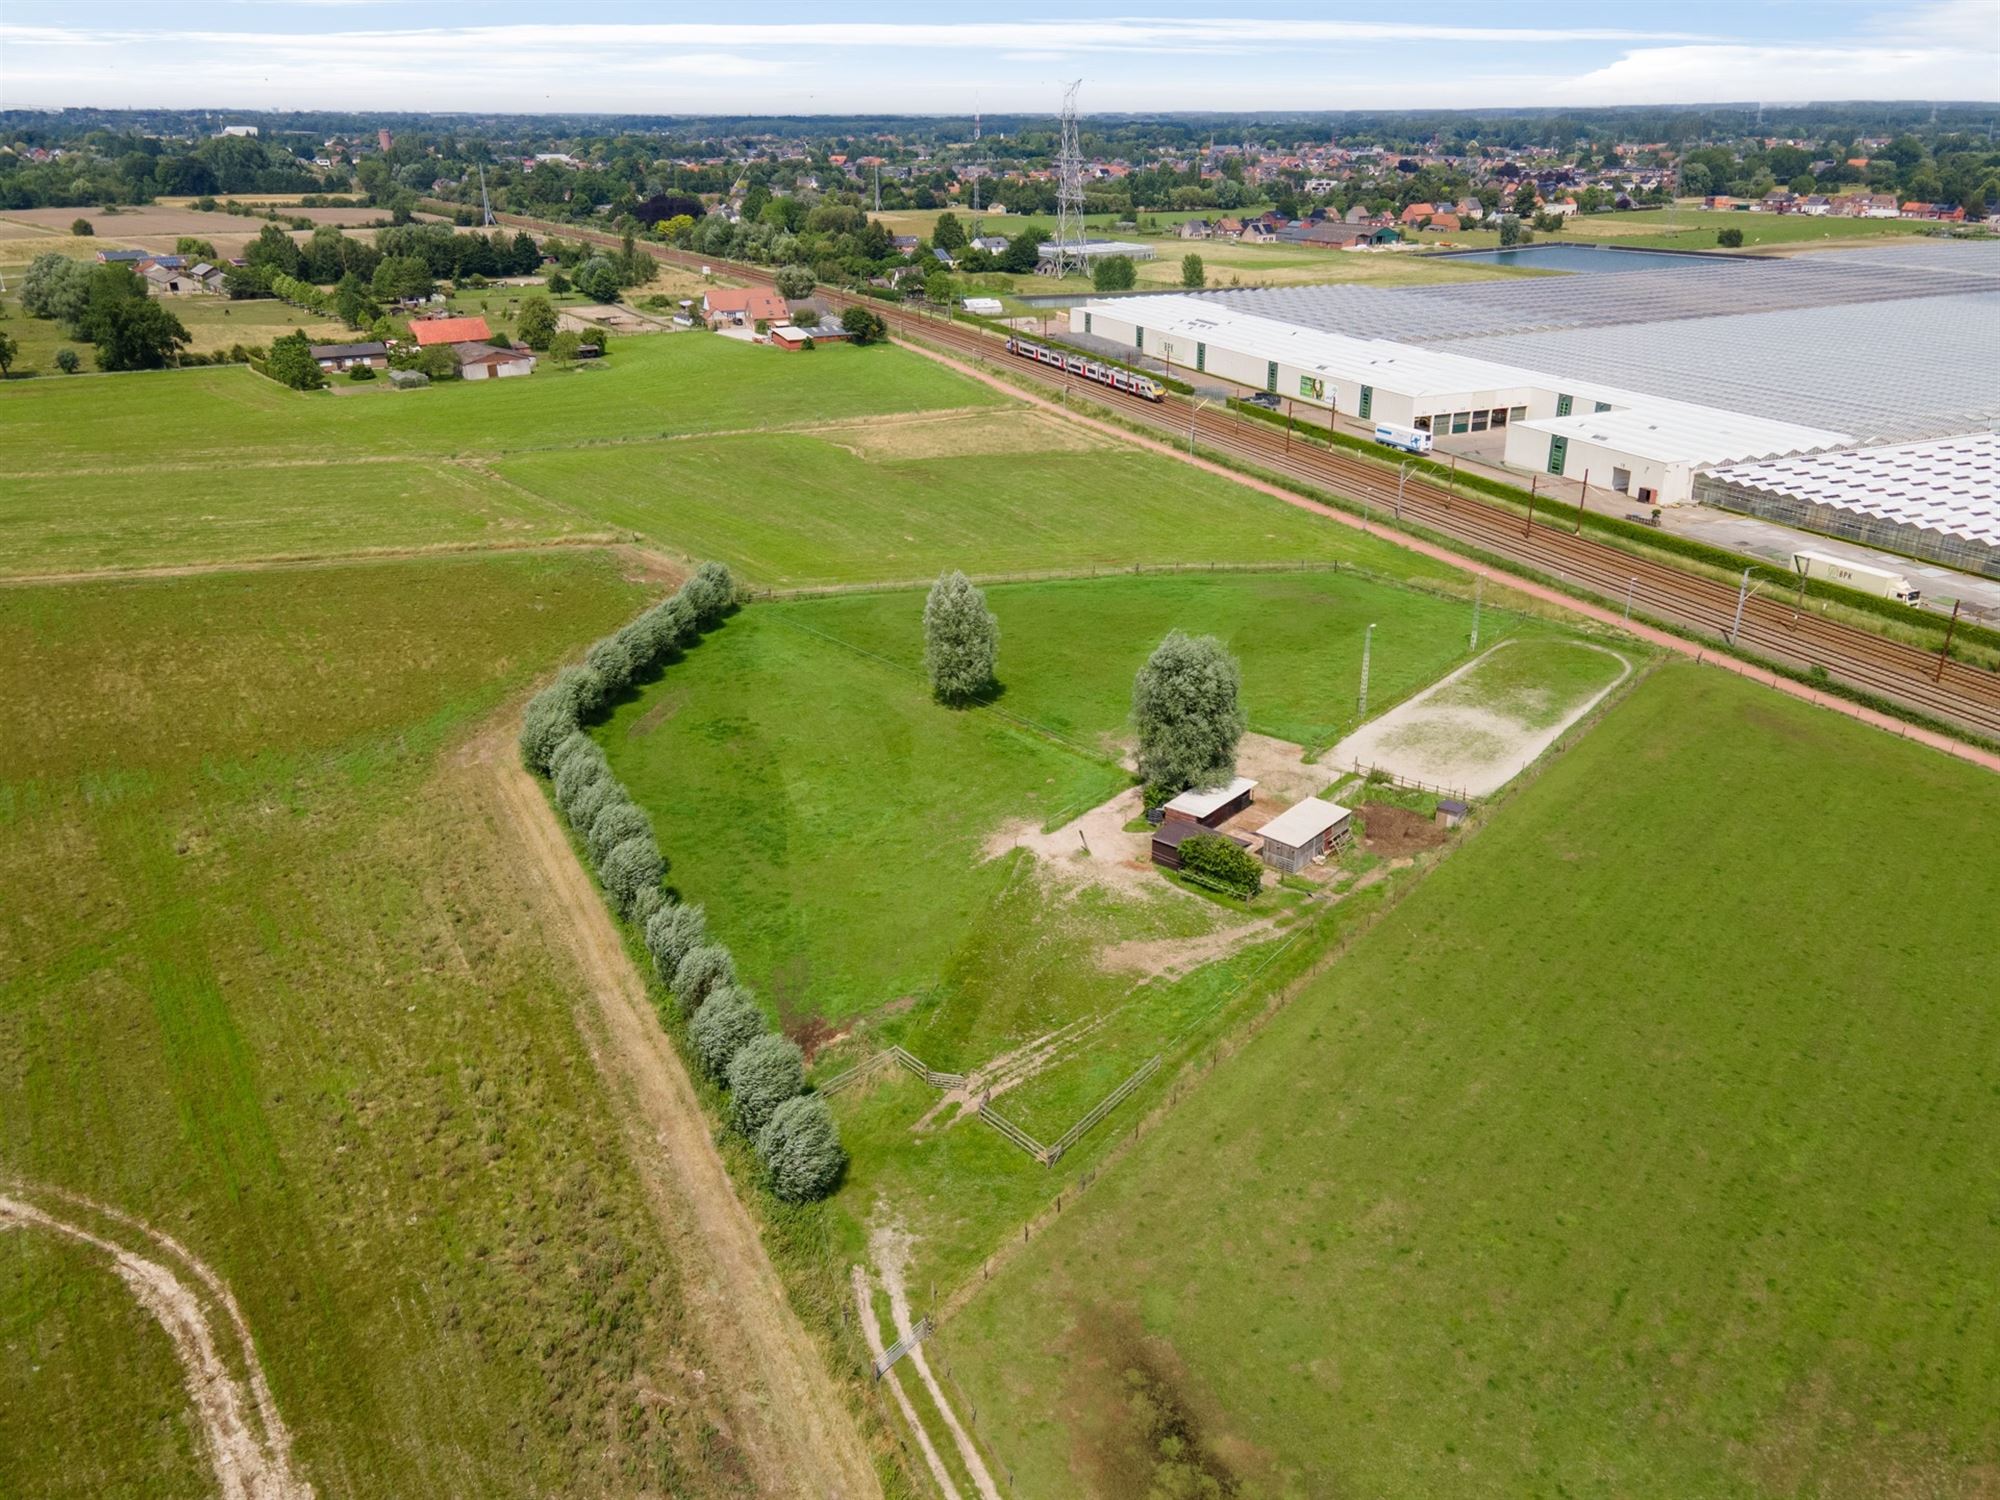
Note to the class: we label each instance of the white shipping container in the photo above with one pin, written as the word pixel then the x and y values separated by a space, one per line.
pixel 1859 576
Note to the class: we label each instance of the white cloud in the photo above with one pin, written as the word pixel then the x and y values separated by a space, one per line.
pixel 1774 74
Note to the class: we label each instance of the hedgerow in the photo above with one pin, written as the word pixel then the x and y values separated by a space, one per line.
pixel 792 1132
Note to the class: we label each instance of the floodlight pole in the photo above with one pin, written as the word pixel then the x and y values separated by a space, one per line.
pixel 1402 478
pixel 1367 646
pixel 1478 588
pixel 1742 594
pixel 1528 528
pixel 1630 584
pixel 1581 501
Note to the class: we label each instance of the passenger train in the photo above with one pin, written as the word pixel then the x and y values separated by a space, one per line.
pixel 1090 369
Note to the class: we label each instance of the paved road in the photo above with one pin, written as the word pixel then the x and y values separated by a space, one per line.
pixel 1768 539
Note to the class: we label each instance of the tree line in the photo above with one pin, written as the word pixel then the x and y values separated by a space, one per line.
pixel 791 1130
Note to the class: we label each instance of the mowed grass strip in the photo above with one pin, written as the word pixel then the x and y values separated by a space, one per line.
pixel 233 514
pixel 272 980
pixel 1644 1150
pixel 789 509
pixel 650 386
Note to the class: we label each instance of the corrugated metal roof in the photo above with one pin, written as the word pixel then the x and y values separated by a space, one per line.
pixel 1683 431
pixel 1303 821
pixel 1670 432
pixel 1203 801
pixel 1951 485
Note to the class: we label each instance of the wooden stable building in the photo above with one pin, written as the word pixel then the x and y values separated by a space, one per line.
pixel 1304 832
pixel 1211 807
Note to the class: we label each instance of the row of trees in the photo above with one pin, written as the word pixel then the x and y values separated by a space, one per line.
pixel 792 1131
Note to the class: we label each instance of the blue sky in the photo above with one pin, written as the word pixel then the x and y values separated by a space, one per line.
pixel 830 58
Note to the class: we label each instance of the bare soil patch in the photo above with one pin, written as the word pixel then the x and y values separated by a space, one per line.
pixel 1394 831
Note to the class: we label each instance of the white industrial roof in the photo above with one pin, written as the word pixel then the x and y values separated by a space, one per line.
pixel 1303 821
pixel 1670 432
pixel 1407 368
pixel 1653 427
pixel 1202 801
pixel 1951 485
pixel 1092 248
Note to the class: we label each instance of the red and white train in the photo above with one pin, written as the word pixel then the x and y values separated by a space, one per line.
pixel 1090 369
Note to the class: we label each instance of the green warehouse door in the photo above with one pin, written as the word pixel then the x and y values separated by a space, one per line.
pixel 1558 452
pixel 1271 376
pixel 1201 356
pixel 1367 402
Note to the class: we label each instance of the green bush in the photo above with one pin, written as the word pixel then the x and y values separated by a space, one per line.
pixel 66 361
pixel 617 820
pixel 361 372
pixel 633 866
pixel 800 1147
pixel 961 639
pixel 576 775
pixel 671 934
pixel 728 1022
pixel 1222 864
pixel 711 593
pixel 706 969
pixel 763 1076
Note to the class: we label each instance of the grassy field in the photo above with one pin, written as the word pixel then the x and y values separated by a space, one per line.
pixel 269 980
pixel 199 515
pixel 1694 229
pixel 889 503
pixel 649 388
pixel 851 841
pixel 1624 1157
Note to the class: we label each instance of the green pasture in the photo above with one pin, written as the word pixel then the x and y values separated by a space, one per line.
pixel 648 388
pixel 94 1405
pixel 1643 1150
pixel 270 980
pixel 851 840
pixel 1694 229
pixel 788 509
pixel 205 515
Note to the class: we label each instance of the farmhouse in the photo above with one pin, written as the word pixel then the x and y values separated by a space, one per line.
pixel 1304 832
pixel 336 357
pixel 430 331
pixel 740 307
pixel 482 361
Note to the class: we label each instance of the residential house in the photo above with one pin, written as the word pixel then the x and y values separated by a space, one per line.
pixel 478 360
pixel 1257 232
pixel 1228 229
pixel 1416 213
pixel 743 307
pixel 992 244
pixel 1444 223
pixel 430 332
pixel 335 358
pixel 1195 229
pixel 906 244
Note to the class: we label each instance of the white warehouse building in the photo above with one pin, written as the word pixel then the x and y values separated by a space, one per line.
pixel 1646 446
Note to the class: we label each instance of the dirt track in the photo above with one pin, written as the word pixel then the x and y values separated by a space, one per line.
pixel 788 1419
pixel 246 1439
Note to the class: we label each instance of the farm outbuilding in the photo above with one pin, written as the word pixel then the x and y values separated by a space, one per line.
pixel 1304 832
pixel 1210 806
pixel 1168 837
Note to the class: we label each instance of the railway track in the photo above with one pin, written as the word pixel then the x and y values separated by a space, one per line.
pixel 1766 626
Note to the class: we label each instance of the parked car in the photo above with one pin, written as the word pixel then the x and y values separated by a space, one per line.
pixel 1265 399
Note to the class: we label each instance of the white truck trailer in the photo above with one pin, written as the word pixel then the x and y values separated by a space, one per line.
pixel 1877 581
pixel 1409 439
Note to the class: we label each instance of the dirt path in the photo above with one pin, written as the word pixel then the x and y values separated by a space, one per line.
pixel 891 1249
pixel 865 1309
pixel 794 1431
pixel 252 1460
pixel 1604 614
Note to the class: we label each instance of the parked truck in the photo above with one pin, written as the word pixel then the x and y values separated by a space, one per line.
pixel 1409 439
pixel 1853 575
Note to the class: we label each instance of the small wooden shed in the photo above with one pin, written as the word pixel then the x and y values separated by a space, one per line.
pixel 1451 812
pixel 1168 836
pixel 1210 806
pixel 1303 832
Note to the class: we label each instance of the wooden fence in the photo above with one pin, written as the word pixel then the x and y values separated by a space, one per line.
pixel 1103 1107
pixel 1408 783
